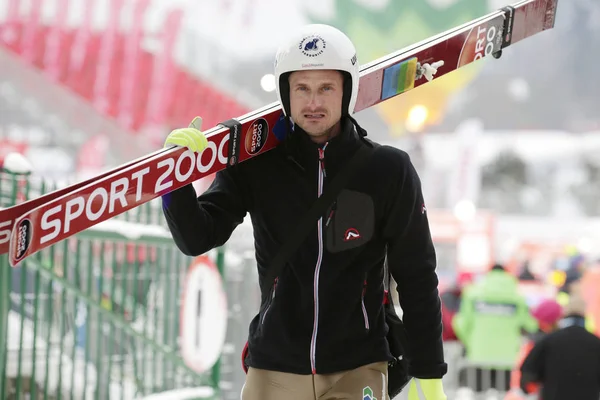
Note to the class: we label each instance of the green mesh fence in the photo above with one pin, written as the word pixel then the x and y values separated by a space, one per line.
pixel 97 315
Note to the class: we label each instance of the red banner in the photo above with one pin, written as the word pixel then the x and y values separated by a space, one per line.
pixel 31 27
pixel 131 77
pixel 77 72
pixel 10 30
pixel 56 45
pixel 105 81
pixel 163 76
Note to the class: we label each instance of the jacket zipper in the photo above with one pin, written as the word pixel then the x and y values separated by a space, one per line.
pixel 270 302
pixel 313 340
pixel 362 302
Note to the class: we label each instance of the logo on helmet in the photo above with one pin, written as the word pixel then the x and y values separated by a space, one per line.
pixel 312 46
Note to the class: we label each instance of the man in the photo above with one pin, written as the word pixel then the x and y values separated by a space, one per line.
pixel 566 362
pixel 491 317
pixel 321 332
pixel 526 275
pixel 547 313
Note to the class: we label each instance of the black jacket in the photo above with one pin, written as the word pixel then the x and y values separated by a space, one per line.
pixel 324 313
pixel 566 362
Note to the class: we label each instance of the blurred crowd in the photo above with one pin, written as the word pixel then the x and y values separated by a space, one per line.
pixel 523 343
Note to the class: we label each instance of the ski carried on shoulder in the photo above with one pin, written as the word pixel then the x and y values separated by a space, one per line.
pixel 42 222
pixel 9 215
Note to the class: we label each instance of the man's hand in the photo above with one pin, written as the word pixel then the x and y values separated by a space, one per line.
pixel 190 137
pixel 432 389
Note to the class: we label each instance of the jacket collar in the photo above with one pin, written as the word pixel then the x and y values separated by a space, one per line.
pixel 304 153
pixel 572 320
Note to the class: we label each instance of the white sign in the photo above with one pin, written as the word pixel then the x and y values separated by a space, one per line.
pixel 203 315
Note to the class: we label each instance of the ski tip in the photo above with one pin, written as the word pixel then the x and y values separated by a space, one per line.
pixel 196 123
pixel 550 14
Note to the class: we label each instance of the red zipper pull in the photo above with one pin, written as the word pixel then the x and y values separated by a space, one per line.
pixel 322 161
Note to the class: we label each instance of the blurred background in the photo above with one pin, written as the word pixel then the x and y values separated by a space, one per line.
pixel 507 151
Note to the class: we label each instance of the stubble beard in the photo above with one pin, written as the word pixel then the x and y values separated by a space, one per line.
pixel 324 135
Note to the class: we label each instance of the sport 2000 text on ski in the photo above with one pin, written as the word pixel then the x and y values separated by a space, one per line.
pixel 57 220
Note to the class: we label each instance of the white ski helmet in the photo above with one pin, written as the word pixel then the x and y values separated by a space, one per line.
pixel 317 46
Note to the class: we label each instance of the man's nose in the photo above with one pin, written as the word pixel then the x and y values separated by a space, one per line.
pixel 315 101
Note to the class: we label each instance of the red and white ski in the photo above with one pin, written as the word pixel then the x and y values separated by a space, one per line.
pixel 9 215
pixel 59 215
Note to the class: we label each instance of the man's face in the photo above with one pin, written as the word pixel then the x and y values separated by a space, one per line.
pixel 316 102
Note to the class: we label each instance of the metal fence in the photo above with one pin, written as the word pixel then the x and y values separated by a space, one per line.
pixel 97 315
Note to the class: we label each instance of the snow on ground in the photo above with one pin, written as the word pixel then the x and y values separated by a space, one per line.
pixel 131 230
pixel 117 391
pixel 183 394
pixel 17 164
pixel 54 365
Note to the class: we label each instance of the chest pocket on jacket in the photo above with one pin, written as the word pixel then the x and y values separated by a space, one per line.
pixel 350 221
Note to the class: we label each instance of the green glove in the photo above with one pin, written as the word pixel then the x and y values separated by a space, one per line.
pixel 432 389
pixel 190 137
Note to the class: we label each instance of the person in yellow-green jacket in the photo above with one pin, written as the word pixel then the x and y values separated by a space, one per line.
pixel 489 323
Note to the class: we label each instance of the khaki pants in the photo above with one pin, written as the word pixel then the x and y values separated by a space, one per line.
pixel 354 384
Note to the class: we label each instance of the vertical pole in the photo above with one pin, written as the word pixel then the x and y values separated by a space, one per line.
pixel 5 283
pixel 10 183
pixel 220 261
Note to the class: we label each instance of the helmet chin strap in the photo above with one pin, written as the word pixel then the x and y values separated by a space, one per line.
pixel 346 93
pixel 284 88
pixel 361 131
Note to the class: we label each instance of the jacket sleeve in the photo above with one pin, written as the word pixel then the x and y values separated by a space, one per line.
pixel 529 323
pixel 201 224
pixel 412 263
pixel 463 320
pixel 532 369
